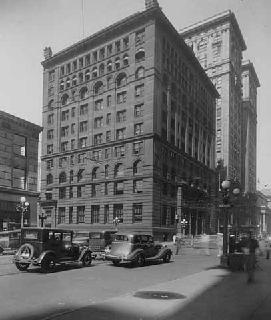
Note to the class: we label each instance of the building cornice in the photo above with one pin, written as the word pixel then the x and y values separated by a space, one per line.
pixel 225 16
pixel 20 192
pixel 247 65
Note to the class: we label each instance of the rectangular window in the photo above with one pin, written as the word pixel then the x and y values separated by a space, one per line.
pixel 140 37
pixel 73 112
pixel 138 129
pixel 107 153
pixel 50 134
pixel 50 118
pixel 65 115
pixel 79 191
pixel 118 212
pixel 82 142
pixel 81 63
pixel 106 188
pixel 71 192
pixel 106 213
pixel 120 151
pixel 121 97
pixel 121 116
pixel 109 101
pixel 87 60
pixel 119 187
pixel 83 126
pixel 138 147
pixel 125 43
pixel 64 132
pixel 98 139
pixel 94 190
pixel 138 186
pixel 137 212
pixel 98 105
pixel 108 136
pixel 81 214
pixel 61 215
pixel 138 110
pixel 83 109
pixel 120 134
pixel 19 178
pixel 70 215
pixel 95 214
pixel 50 164
pixel 97 155
pixel 108 118
pixel 109 49
pixel 72 144
pixel 50 149
pixel 81 158
pixel 139 90
pixel 98 122
pixel 117 46
pixel 63 162
pixel 62 193
pixel 64 146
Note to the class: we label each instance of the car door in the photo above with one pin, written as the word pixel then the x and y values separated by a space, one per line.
pixel 147 246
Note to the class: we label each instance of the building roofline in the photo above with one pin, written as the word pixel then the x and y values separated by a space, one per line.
pixel 218 18
pixel 16 119
pixel 248 65
pixel 154 12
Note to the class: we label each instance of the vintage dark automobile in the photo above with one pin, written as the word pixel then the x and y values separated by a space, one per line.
pixel 136 248
pixel 47 247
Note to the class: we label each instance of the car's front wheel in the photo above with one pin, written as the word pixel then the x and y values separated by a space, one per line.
pixel 140 260
pixel 22 266
pixel 167 257
pixel 116 263
pixel 87 259
pixel 48 264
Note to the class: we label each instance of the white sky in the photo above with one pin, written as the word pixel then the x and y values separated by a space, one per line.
pixel 27 26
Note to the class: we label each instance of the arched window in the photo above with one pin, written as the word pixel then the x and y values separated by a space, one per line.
pixel 121 80
pixel 61 85
pixel 140 73
pixel 51 105
pixel 62 177
pixel 126 60
pixel 137 167
pixel 49 178
pixel 94 72
pixel 83 93
pixel 81 77
pixel 68 82
pixel 95 173
pixel 87 75
pixel 119 170
pixel 74 80
pixel 109 66
pixel 140 55
pixel 101 69
pixel 80 175
pixel 117 63
pixel 64 99
pixel 98 87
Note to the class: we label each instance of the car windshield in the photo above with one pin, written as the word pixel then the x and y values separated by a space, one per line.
pixel 95 236
pixel 122 237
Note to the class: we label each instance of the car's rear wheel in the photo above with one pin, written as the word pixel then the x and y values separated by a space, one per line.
pixel 167 257
pixel 22 266
pixel 115 263
pixel 140 260
pixel 87 259
pixel 48 264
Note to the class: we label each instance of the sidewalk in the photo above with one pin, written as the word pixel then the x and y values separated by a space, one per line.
pixel 214 294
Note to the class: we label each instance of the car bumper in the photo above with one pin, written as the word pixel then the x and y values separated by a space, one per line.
pixel 117 258
pixel 22 260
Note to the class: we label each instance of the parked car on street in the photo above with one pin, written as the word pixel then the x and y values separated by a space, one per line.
pixel 10 241
pixel 46 247
pixel 99 241
pixel 136 248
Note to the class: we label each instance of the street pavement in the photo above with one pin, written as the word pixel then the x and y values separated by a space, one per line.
pixel 206 293
pixel 212 294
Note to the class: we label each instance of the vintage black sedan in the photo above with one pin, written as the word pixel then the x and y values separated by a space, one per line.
pixel 136 248
pixel 47 247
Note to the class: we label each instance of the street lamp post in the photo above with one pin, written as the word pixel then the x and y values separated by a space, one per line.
pixel 22 207
pixel 116 222
pixel 226 189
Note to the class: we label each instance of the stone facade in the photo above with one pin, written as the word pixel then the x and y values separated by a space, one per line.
pixel 19 141
pixel 218 44
pixel 128 117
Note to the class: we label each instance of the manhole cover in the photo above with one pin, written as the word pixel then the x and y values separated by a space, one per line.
pixel 163 295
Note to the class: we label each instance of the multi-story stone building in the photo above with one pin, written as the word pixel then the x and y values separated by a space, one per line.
pixel 250 83
pixel 128 116
pixel 218 44
pixel 19 141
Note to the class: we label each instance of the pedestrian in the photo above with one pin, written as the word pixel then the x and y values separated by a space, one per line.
pixel 249 248
pixel 178 243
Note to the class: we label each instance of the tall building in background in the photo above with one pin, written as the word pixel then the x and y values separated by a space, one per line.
pixel 250 83
pixel 19 141
pixel 218 44
pixel 129 120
